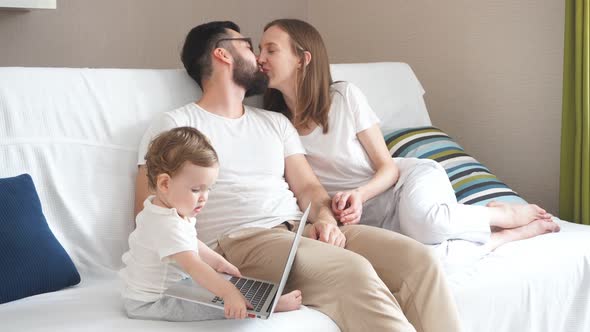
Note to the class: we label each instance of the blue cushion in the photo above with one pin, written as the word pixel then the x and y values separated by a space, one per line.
pixel 32 261
pixel 473 182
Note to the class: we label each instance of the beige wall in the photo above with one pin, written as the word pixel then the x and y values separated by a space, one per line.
pixel 124 33
pixel 491 69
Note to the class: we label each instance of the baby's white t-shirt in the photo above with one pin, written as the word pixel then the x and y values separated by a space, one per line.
pixel 338 157
pixel 251 190
pixel 160 232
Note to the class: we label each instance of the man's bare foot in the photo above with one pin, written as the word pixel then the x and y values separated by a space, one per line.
pixel 289 302
pixel 532 229
pixel 506 215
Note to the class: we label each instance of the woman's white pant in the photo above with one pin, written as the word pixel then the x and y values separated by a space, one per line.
pixel 422 205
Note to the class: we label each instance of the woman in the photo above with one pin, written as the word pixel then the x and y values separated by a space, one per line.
pixel 347 151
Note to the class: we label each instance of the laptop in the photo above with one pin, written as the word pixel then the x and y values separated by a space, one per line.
pixel 262 294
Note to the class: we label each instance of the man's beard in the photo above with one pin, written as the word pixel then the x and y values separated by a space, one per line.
pixel 249 77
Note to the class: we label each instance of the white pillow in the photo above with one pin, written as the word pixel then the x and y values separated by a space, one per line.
pixel 392 90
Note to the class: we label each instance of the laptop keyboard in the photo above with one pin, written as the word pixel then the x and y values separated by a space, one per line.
pixel 254 291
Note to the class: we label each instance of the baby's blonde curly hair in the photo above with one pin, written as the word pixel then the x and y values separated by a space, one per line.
pixel 168 152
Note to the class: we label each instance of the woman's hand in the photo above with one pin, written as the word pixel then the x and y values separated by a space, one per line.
pixel 347 206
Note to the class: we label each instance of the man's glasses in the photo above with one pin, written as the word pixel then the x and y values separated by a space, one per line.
pixel 246 39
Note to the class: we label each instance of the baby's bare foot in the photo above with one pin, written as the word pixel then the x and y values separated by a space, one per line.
pixel 515 215
pixel 289 302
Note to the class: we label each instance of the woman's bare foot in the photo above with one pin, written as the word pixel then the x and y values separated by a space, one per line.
pixel 289 302
pixel 506 215
pixel 532 229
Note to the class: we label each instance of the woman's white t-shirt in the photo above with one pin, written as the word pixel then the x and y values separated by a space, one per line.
pixel 338 157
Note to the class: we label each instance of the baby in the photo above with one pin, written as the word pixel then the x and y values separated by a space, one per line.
pixel 163 249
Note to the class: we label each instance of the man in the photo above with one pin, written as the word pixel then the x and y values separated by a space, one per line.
pixel 350 272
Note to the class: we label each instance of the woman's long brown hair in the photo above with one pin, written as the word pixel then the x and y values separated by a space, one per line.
pixel 312 91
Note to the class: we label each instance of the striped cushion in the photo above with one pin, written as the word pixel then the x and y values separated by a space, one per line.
pixel 473 182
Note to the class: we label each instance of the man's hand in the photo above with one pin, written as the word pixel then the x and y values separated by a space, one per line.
pixel 347 207
pixel 328 233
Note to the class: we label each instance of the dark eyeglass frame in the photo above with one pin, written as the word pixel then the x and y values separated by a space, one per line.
pixel 246 39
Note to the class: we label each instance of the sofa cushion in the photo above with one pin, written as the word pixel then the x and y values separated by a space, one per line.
pixel 473 182
pixel 32 260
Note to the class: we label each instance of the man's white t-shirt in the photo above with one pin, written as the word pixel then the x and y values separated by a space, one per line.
pixel 160 232
pixel 251 190
pixel 338 157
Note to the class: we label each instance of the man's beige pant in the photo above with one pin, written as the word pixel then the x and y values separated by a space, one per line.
pixel 354 286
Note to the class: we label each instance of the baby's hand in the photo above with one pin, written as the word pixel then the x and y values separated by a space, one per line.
pixel 235 305
pixel 226 267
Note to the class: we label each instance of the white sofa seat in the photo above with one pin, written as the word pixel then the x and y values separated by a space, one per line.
pixel 95 305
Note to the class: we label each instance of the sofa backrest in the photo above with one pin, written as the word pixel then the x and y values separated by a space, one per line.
pixel 76 131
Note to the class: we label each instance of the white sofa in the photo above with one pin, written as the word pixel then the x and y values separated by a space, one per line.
pixel 76 131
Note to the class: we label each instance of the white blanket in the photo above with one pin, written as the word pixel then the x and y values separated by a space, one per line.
pixel 537 285
pixel 76 131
